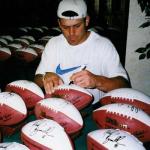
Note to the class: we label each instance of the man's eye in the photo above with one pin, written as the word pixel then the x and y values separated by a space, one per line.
pixel 77 26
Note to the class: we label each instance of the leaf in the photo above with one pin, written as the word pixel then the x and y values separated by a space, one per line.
pixel 144 25
pixel 147 11
pixel 140 50
pixel 148 54
pixel 145 6
pixel 147 46
pixel 148 49
pixel 142 56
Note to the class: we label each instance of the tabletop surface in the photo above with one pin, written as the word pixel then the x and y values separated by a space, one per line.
pixel 80 142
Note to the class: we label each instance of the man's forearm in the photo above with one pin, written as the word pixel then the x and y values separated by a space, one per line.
pixel 39 80
pixel 107 84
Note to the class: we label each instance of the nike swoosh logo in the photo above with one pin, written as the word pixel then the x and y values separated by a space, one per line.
pixel 64 71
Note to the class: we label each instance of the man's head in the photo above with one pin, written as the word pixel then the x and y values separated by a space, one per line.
pixel 73 20
pixel 72 9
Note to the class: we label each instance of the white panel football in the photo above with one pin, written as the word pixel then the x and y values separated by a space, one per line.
pixel 62 111
pixel 5 53
pixel 21 41
pixel 111 139
pixel 45 134
pixel 3 42
pixel 128 96
pixel 13 146
pixel 125 117
pixel 12 108
pixel 77 95
pixel 28 90
pixel 29 38
pixel 7 37
pixel 14 46
pixel 38 48
pixel 26 54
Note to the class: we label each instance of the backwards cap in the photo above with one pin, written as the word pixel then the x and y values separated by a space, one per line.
pixel 72 9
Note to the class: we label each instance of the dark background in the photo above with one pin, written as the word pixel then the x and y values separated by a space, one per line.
pixel 112 19
pixel 14 13
pixel 27 12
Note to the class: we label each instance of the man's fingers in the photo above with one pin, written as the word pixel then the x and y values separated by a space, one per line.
pixel 50 81
pixel 49 87
pixel 55 83
pixel 78 75
pixel 61 82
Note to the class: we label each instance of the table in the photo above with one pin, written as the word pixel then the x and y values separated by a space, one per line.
pixel 80 142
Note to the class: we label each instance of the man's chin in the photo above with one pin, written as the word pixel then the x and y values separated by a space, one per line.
pixel 72 42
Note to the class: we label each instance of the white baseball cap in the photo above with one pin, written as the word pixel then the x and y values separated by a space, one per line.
pixel 72 9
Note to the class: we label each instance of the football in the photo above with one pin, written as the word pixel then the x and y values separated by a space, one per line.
pixel 45 134
pixel 13 47
pixel 125 117
pixel 3 42
pixel 23 42
pixel 77 95
pixel 61 111
pixel 8 38
pixel 13 146
pixel 43 40
pixel 5 53
pixel 111 139
pixel 38 48
pixel 31 39
pixel 128 96
pixel 30 92
pixel 26 54
pixel 12 108
pixel 36 32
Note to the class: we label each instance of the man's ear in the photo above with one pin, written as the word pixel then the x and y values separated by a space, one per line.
pixel 58 22
pixel 87 20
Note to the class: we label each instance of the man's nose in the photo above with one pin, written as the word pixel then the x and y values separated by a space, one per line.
pixel 71 30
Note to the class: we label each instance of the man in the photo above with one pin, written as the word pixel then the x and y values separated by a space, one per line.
pixel 65 55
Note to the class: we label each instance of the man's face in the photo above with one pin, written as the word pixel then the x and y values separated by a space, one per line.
pixel 74 30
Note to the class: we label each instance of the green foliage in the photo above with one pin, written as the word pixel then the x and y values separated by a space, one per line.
pixel 144 52
pixel 144 25
pixel 145 7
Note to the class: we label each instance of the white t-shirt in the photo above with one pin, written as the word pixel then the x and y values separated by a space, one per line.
pixel 97 53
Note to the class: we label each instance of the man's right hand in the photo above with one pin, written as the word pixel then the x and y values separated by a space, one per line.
pixel 50 81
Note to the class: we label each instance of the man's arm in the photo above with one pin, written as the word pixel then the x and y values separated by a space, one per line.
pixel 107 84
pixel 38 79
